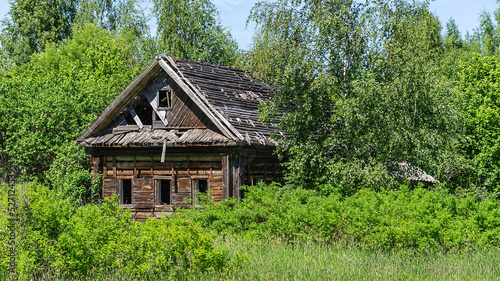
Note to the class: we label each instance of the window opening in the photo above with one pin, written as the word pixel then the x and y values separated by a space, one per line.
pixel 256 179
pixel 125 191
pixel 164 188
pixel 200 186
pixel 164 99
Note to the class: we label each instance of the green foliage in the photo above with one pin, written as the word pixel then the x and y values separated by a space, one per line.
pixel 358 89
pixel 111 15
pixel 69 175
pixel 40 217
pixel 488 33
pixel 416 219
pixel 32 25
pixel 91 241
pixel 191 30
pixel 479 87
pixel 47 103
pixel 453 37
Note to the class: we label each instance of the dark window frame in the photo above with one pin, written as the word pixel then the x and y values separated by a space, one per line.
pixel 166 95
pixel 121 191
pixel 196 183
pixel 158 189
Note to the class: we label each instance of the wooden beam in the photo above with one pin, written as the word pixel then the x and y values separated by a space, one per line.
pixel 152 97
pixel 136 117
pixel 236 168
pixel 226 177
pixel 103 120
pixel 196 99
pixel 164 150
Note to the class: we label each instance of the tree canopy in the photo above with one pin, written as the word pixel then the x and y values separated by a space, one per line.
pixel 360 86
pixel 191 30
pixel 32 25
pixel 368 93
pixel 49 101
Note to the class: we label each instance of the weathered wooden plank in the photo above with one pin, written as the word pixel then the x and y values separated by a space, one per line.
pixel 162 172
pixel 217 179
pixel 216 172
pixel 226 177
pixel 152 98
pixel 125 165
pixel 124 129
pixel 236 168
pixel 108 194
pixel 197 99
pixel 135 116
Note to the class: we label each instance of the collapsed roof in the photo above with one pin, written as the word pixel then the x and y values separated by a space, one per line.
pixel 219 107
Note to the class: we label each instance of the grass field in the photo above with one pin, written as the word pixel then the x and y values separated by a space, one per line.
pixel 275 260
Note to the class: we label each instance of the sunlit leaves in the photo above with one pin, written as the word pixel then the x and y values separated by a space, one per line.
pixel 479 83
pixel 357 85
pixel 191 30
pixel 49 101
pixel 32 25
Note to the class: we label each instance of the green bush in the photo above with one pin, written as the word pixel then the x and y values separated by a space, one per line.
pixel 406 218
pixel 103 239
pixel 41 217
pixel 54 238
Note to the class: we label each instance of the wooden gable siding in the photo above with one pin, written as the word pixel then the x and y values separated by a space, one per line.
pixel 184 112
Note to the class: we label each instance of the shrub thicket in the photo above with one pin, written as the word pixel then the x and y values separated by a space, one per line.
pixel 53 236
pixel 405 218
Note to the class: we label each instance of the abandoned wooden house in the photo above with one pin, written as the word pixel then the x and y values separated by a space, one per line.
pixel 182 128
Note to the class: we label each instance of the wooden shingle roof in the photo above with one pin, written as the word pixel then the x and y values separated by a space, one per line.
pixel 228 97
pixel 232 93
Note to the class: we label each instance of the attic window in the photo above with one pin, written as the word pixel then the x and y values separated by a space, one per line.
pixel 164 99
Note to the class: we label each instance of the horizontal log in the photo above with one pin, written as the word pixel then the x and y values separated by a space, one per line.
pixel 125 165
pixel 108 194
pixel 124 172
pixel 143 192
pixel 143 199
pixel 141 214
pixel 162 172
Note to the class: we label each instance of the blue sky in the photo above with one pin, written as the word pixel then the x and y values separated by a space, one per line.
pixel 234 14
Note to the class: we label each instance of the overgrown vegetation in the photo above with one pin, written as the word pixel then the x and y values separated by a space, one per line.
pixel 405 218
pixel 55 237
pixel 360 86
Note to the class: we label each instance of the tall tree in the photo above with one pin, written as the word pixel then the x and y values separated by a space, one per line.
pixel 123 17
pixel 113 15
pixel 490 40
pixel 191 30
pixel 357 87
pixel 46 103
pixel 31 25
pixel 453 37
pixel 480 102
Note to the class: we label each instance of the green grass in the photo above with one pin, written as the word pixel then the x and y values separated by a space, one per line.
pixel 277 260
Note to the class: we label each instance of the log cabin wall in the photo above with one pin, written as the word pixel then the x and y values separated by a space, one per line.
pixel 241 170
pixel 146 171
pixel 224 174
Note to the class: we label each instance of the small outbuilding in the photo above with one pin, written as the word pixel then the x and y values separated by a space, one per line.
pixel 180 129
